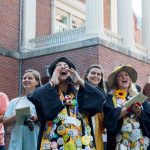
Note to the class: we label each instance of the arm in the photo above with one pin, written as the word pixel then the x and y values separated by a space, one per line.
pixel 123 113
pixel 9 121
pixel 90 99
pixel 46 101
pixel 144 118
pixel 4 101
pixel 9 116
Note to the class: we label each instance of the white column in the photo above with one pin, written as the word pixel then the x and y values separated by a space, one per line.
pixel 53 16
pixel 70 21
pixel 113 16
pixel 125 22
pixel 29 22
pixel 146 24
pixel 95 17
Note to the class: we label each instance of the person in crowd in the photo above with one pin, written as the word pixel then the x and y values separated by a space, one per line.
pixel 146 90
pixel 94 75
pixel 58 104
pixel 4 101
pixel 24 133
pixel 127 129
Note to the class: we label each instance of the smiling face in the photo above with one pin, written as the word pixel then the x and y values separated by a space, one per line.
pixel 63 70
pixel 94 76
pixel 29 82
pixel 123 80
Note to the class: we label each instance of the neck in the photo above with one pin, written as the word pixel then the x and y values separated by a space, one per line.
pixel 63 86
pixel 125 89
pixel 28 91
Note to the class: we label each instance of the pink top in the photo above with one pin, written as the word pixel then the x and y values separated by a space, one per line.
pixel 3 106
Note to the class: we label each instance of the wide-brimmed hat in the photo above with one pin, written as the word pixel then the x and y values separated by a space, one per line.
pixel 128 68
pixel 61 59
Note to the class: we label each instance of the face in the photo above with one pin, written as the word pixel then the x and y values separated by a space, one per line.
pixel 94 76
pixel 29 82
pixel 63 70
pixel 123 80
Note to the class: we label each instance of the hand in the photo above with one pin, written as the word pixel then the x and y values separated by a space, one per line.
pixel 55 76
pixel 76 77
pixel 34 118
pixel 136 109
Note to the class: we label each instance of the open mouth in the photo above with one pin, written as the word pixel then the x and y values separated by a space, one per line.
pixel 124 82
pixel 63 73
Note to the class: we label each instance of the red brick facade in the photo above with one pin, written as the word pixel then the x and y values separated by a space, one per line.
pixel 9 38
pixel 9 24
pixel 43 17
pixel 11 69
pixel 84 57
pixel 9 76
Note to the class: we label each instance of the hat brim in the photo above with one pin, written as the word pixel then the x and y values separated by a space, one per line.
pixel 131 71
pixel 61 59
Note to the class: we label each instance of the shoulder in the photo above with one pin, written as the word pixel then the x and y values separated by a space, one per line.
pixel 44 87
pixel 14 101
pixel 3 97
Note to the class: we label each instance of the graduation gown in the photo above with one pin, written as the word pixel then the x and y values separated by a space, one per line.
pixel 48 105
pixel 113 124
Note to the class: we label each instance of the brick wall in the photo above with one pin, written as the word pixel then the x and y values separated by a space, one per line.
pixel 84 57
pixel 110 59
pixel 9 76
pixel 43 17
pixel 9 24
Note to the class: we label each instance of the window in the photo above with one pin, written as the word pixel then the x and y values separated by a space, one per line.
pixel 77 22
pixel 62 20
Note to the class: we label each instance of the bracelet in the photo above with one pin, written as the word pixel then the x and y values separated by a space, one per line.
pixel 53 84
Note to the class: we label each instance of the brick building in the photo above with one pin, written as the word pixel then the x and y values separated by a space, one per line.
pixel 34 33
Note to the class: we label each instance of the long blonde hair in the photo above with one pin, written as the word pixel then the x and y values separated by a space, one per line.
pixel 132 89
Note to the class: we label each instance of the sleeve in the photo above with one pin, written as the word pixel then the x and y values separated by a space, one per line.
pixel 111 115
pixel 11 108
pixel 145 118
pixel 47 102
pixel 3 103
pixel 90 99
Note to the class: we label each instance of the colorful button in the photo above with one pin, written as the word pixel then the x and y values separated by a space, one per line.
pixel 85 140
pixel 61 130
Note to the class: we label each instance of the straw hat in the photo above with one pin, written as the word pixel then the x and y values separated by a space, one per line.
pixel 131 71
pixel 61 59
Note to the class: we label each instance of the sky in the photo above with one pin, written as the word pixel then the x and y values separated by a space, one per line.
pixel 137 7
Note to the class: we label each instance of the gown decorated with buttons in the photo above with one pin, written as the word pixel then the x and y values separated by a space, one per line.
pixel 63 126
pixel 128 132
pixel 65 131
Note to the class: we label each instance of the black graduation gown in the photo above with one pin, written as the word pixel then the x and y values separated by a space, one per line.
pixel 113 124
pixel 48 105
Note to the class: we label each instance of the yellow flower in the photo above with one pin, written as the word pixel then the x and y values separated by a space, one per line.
pixel 121 94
